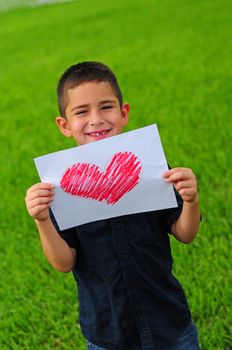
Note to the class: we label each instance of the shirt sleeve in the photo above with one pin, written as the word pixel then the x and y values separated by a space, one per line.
pixel 171 215
pixel 69 235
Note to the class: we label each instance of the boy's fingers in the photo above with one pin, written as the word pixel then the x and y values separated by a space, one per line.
pixel 184 184
pixel 41 193
pixel 41 186
pixel 40 201
pixel 187 192
pixel 34 206
pixel 39 190
pixel 38 210
pixel 180 174
pixel 188 198
pixel 171 171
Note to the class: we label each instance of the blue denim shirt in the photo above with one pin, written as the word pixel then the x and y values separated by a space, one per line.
pixel 128 297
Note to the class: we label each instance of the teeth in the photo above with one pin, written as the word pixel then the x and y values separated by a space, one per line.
pixel 96 134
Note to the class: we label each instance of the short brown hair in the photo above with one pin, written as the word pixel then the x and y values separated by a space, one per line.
pixel 85 72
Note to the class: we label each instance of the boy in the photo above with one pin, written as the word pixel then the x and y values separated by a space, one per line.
pixel 128 297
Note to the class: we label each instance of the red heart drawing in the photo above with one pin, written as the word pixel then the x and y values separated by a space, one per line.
pixel 86 180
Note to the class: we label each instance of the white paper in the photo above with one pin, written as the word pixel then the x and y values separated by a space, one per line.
pixel 150 191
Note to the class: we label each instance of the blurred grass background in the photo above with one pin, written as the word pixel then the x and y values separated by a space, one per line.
pixel 173 62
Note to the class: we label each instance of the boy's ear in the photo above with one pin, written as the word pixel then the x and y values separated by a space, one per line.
pixel 125 113
pixel 63 125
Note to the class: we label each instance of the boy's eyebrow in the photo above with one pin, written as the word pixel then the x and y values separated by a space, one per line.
pixel 81 106
pixel 86 105
pixel 108 101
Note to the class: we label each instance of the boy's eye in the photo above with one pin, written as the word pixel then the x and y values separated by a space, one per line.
pixel 107 107
pixel 80 112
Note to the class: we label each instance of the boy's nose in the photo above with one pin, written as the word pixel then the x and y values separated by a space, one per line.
pixel 96 118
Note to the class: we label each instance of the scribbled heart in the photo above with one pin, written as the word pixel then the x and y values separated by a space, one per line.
pixel 86 180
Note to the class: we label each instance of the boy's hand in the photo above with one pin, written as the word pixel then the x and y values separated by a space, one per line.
pixel 184 181
pixel 38 199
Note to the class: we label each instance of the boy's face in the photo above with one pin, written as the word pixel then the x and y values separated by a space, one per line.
pixel 93 113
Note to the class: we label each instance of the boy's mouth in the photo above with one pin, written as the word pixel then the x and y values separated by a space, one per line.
pixel 98 133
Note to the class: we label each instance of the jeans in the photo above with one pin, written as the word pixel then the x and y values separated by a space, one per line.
pixel 188 340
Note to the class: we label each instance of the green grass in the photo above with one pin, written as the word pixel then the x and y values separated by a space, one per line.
pixel 173 61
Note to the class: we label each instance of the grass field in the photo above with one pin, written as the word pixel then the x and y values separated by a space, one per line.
pixel 173 61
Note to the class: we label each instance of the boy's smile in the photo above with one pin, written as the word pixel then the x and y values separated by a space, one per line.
pixel 93 113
